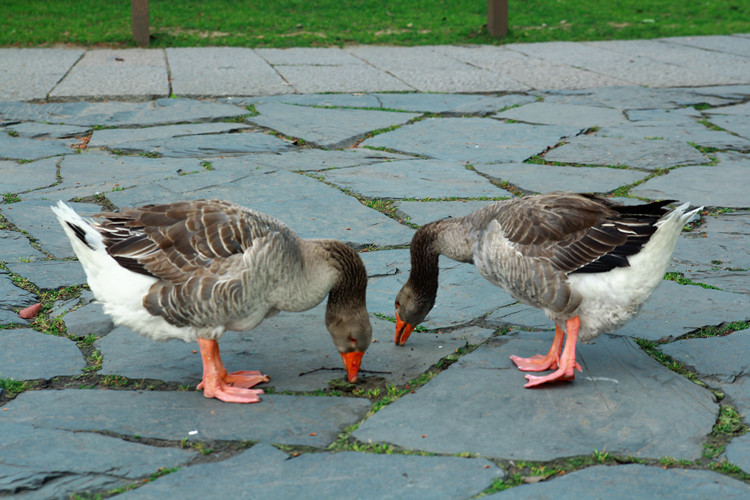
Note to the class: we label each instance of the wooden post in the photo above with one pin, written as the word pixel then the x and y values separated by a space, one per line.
pixel 497 18
pixel 141 34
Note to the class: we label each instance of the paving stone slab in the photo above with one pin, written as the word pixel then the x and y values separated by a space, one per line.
pixel 708 67
pixel 121 114
pixel 624 402
pixel 174 415
pixel 427 69
pixel 459 286
pixel 731 92
pixel 718 358
pixel 25 148
pixel 48 66
pixel 738 452
pixel 738 45
pixel 543 178
pixel 309 475
pixel 631 482
pixel 625 67
pixel 61 307
pixel 27 354
pixel 36 218
pixel 637 97
pixel 564 114
pixel 531 72
pixel 294 350
pixel 674 310
pixel 422 212
pixel 357 100
pixel 14 247
pixel 13 297
pixel 738 394
pixel 739 125
pixel 24 177
pixel 326 128
pixel 9 317
pixel 96 172
pixel 306 160
pixel 740 109
pixel 452 104
pixel 635 153
pixel 127 74
pixel 339 78
pixel 308 56
pixel 117 138
pixel 446 104
pixel 87 320
pixel 695 133
pixel 222 71
pixel 207 146
pixel 291 198
pixel 414 179
pixel 50 274
pixel 47 463
pixel 472 140
pixel 664 117
pixel 707 185
pixel 726 265
pixel 47 130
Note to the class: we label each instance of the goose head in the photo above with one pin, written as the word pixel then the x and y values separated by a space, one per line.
pixel 412 307
pixel 351 332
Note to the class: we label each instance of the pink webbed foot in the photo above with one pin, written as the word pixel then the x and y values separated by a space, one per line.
pixel 567 364
pixel 563 374
pixel 230 394
pixel 539 363
pixel 536 363
pixel 229 387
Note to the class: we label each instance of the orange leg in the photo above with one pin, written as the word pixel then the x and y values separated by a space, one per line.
pixel 568 364
pixel 539 363
pixel 228 387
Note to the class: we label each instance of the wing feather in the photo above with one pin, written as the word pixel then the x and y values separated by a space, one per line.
pixel 199 252
pixel 578 232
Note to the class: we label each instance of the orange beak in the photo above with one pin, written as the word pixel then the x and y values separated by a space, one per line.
pixel 403 330
pixel 352 360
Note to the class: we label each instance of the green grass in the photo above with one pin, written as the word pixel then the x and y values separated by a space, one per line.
pixel 296 23
pixel 12 387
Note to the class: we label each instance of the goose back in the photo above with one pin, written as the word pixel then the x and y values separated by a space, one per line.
pixel 215 261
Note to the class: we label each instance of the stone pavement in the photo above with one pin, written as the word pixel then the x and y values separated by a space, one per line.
pixel 364 144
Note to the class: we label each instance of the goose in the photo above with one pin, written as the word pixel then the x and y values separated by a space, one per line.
pixel 191 270
pixel 587 262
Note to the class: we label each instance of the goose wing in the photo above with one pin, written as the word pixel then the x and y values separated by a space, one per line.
pixel 208 256
pixel 578 232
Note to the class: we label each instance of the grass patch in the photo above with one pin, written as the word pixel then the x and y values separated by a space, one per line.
pixel 729 422
pixel 498 485
pixel 293 23
pixel 718 330
pixel 650 348
pixel 12 387
pixel 682 280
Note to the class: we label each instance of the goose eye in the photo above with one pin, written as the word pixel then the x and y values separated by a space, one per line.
pixel 398 304
pixel 352 340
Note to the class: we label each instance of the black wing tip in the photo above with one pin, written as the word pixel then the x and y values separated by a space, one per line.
pixel 80 233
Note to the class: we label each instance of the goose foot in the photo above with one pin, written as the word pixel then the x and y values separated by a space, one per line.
pixel 567 362
pixel 539 363
pixel 229 387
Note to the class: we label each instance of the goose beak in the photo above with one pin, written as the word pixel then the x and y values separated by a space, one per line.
pixel 352 360
pixel 403 330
